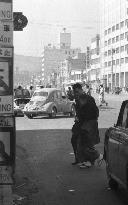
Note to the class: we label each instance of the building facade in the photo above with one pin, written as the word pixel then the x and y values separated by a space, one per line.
pixel 53 56
pixel 94 71
pixel 114 43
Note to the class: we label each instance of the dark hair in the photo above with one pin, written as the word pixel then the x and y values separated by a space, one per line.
pixel 77 85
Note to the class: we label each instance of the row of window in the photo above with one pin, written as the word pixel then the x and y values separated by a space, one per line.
pixel 116 39
pixel 116 50
pixel 116 62
pixel 116 27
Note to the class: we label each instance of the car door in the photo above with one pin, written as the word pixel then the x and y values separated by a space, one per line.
pixel 113 151
pixel 123 148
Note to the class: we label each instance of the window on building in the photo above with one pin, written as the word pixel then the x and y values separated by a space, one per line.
pixel 117 38
pixel 117 61
pixel 122 49
pixel 109 63
pixel 126 34
pixel 117 26
pixel 126 22
pixel 105 64
pixel 105 43
pixel 113 28
pixel 113 40
pixel 114 62
pixel 105 53
pixel 122 60
pixel 109 30
pixel 105 32
pixel 122 36
pixel 126 48
pixel 109 52
pixel 126 59
pixel 109 41
pixel 66 52
pixel 117 50
pixel 122 24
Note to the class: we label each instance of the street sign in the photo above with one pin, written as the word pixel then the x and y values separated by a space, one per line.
pixel 6 104
pixel 5 176
pixel 19 21
pixel 6 75
pixel 6 121
pixel 5 11
pixel 6 33
pixel 6 52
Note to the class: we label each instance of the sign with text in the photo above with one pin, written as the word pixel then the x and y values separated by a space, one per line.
pixel 7 144
pixel 6 121
pixel 5 10
pixel 6 33
pixel 6 76
pixel 6 104
pixel 6 52
pixel 5 176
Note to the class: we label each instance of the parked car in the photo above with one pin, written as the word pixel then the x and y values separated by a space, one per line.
pixel 49 101
pixel 116 150
pixel 21 98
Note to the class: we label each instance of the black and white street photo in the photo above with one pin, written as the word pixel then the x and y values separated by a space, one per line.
pixel 63 102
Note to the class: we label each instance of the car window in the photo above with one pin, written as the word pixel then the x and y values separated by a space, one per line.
pixel 41 93
pixel 59 95
pixel 125 117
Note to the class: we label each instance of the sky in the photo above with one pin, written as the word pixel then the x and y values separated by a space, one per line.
pixel 47 18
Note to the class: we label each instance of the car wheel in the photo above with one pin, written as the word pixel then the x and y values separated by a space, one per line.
pixel 111 182
pixel 73 112
pixel 53 112
pixel 30 116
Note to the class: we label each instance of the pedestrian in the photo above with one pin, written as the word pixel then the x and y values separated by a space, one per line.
pixel 31 91
pixel 88 132
pixel 101 96
pixel 88 90
pixel 70 94
pixel 77 90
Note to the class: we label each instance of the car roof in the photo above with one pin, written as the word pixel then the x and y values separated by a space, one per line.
pixel 48 90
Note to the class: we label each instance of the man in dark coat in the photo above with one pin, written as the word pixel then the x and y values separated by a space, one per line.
pixel 78 91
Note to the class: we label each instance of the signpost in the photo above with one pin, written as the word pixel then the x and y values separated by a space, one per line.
pixel 7 120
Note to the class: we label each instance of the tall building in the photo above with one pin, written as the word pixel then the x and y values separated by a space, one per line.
pixel 53 56
pixel 94 71
pixel 114 42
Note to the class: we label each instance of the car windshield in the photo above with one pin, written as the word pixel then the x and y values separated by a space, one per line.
pixel 42 94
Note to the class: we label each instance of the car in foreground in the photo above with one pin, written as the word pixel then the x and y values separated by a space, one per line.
pixel 50 102
pixel 116 150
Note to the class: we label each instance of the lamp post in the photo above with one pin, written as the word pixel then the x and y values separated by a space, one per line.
pixel 112 79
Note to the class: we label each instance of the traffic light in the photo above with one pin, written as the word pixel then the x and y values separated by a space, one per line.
pixel 19 21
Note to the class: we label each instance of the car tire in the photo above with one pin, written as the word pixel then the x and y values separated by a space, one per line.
pixel 53 112
pixel 113 184
pixel 73 112
pixel 30 116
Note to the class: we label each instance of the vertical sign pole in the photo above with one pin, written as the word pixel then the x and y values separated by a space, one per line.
pixel 7 121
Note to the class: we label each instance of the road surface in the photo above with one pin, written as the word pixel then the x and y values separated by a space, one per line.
pixel 44 174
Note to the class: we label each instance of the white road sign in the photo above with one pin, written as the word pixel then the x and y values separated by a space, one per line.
pixel 6 104
pixel 5 11
pixel 6 33
pixel 6 52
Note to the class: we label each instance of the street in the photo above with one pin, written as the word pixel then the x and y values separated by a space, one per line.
pixel 44 174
